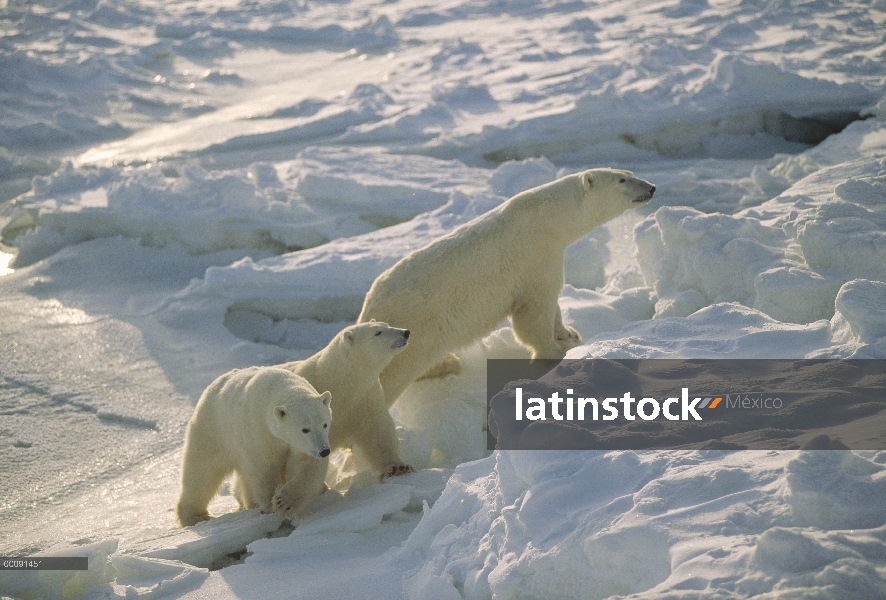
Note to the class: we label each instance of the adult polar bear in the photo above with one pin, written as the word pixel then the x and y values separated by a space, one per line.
pixel 505 263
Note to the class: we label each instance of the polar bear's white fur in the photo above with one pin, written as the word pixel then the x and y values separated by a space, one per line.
pixel 268 426
pixel 505 263
pixel 349 367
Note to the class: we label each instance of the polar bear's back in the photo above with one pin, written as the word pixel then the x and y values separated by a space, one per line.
pixel 486 262
pixel 450 273
pixel 502 240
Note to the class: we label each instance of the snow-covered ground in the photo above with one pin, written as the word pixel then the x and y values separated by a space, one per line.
pixel 189 186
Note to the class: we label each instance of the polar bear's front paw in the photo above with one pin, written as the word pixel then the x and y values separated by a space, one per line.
pixel 395 470
pixel 569 337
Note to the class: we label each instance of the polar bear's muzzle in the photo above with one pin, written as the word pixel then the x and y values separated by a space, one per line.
pixel 401 341
pixel 644 198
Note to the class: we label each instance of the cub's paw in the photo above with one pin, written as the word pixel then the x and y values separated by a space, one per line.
pixel 395 470
pixel 186 520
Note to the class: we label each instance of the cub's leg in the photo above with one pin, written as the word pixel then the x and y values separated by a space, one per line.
pixel 374 437
pixel 259 483
pixel 203 471
pixel 241 493
pixel 304 482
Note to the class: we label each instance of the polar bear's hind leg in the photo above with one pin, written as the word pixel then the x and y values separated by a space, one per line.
pixel 451 365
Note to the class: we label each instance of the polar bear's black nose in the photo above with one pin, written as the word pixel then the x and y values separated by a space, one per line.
pixel 406 334
pixel 324 452
pixel 652 191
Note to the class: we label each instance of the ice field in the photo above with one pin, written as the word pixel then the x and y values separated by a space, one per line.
pixel 190 186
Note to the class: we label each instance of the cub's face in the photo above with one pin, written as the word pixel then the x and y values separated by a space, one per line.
pixel 377 337
pixel 304 424
pixel 609 192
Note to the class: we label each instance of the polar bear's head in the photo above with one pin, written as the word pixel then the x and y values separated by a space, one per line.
pixel 379 335
pixel 372 344
pixel 300 415
pixel 609 192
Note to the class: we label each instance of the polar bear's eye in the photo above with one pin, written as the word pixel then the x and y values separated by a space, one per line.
pixel 325 425
pixel 378 333
pixel 622 180
pixel 306 430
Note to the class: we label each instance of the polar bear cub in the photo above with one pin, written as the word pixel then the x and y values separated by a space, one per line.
pixel 349 368
pixel 506 263
pixel 266 425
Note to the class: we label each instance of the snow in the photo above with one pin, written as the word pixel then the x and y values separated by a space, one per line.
pixel 192 186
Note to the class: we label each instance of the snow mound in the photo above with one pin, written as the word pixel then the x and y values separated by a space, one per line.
pixel 268 208
pixel 821 488
pixel 809 240
pixel 595 524
pixel 860 305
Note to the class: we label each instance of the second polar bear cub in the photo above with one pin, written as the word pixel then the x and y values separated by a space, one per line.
pixel 349 368
pixel 507 263
pixel 270 428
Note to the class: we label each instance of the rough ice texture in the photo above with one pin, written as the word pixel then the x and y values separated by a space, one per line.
pixel 196 186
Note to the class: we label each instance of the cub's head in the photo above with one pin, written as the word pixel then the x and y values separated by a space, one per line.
pixel 369 347
pixel 304 424
pixel 376 336
pixel 609 192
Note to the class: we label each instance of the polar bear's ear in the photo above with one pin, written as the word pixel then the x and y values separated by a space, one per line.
pixel 587 181
pixel 372 320
pixel 280 412
pixel 349 337
pixel 325 397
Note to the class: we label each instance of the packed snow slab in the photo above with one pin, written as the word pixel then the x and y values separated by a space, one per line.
pixel 731 330
pixel 110 575
pixel 366 520
pixel 304 105
pixel 207 543
pixel 339 549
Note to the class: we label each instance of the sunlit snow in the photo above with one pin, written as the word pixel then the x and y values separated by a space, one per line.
pixel 187 187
